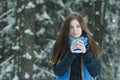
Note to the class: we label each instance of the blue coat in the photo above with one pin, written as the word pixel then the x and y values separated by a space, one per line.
pixel 86 75
pixel 63 70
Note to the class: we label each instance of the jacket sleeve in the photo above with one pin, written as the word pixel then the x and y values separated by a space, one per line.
pixel 61 68
pixel 93 65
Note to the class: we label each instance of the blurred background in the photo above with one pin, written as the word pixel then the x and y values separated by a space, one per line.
pixel 28 30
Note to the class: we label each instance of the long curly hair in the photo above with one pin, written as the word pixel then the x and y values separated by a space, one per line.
pixel 62 41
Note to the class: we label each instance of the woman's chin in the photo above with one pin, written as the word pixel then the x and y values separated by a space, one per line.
pixel 76 36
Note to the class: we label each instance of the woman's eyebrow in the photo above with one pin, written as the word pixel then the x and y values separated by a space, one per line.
pixel 71 25
pixel 78 24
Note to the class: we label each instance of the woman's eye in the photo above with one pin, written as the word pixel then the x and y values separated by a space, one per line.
pixel 71 26
pixel 78 26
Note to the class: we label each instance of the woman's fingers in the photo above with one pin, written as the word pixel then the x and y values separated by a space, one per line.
pixel 78 44
pixel 82 48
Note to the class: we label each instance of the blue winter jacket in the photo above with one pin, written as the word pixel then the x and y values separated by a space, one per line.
pixel 90 67
pixel 86 75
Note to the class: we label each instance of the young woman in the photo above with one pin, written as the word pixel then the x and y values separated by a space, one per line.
pixel 74 58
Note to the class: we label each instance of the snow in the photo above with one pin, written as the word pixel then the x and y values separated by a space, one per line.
pixel 16 77
pixel 85 18
pixel 35 67
pixel 0 57
pixel 16 47
pixel 20 9
pixel 60 2
pixel 112 24
pixel 42 72
pixel 27 76
pixel 30 5
pixel 111 63
pixel 41 31
pixel 97 13
pixel 17 27
pixel 46 71
pixel 44 16
pixel 60 14
pixel 41 55
pixel 112 2
pixel 113 20
pixel 29 32
pixel 27 56
pixel 7 29
pixel 6 13
pixel 42 52
pixel 91 3
pixel 39 1
pixel 49 46
pixel 6 67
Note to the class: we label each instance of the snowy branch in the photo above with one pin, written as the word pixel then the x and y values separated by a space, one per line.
pixel 6 13
pixel 47 72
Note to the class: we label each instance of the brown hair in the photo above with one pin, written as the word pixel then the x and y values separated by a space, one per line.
pixel 62 41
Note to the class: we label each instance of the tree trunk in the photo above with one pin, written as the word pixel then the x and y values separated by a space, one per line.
pixel 28 42
pixel 26 21
pixel 96 20
pixel 2 25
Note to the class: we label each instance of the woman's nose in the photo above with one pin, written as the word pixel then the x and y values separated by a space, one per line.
pixel 75 29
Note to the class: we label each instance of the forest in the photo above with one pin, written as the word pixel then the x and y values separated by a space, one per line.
pixel 28 31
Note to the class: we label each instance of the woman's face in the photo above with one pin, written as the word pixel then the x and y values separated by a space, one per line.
pixel 75 28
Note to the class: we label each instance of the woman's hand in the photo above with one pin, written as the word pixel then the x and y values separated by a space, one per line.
pixel 78 44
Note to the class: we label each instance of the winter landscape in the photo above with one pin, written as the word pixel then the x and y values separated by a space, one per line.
pixel 28 30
